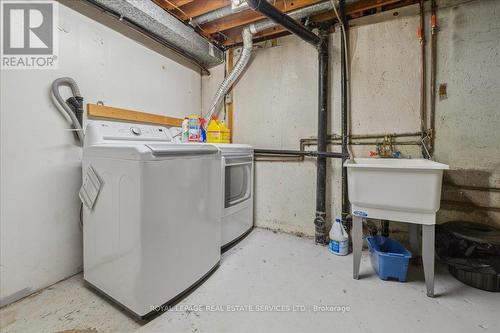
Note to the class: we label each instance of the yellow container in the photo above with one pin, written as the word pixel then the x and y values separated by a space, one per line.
pixel 226 133
pixel 214 132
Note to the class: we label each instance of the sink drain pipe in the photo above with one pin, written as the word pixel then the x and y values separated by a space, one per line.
pixel 320 42
pixel 321 235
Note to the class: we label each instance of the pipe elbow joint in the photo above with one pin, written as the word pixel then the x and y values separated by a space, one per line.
pixel 247 35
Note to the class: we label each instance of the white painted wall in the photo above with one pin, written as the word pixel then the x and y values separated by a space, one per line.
pixel 40 163
pixel 276 105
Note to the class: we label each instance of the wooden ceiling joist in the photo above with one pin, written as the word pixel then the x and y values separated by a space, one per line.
pixel 197 8
pixel 355 8
pixel 172 4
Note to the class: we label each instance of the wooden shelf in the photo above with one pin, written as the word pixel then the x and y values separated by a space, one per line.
pixel 108 112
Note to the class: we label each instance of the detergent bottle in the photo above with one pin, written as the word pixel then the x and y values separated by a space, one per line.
pixel 226 133
pixel 185 130
pixel 214 134
pixel 203 130
pixel 194 128
pixel 339 240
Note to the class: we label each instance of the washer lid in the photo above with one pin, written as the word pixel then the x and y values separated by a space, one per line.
pixel 149 151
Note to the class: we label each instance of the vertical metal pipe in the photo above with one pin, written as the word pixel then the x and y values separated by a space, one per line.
pixel 384 225
pixel 423 116
pixel 319 221
pixel 433 73
pixel 343 97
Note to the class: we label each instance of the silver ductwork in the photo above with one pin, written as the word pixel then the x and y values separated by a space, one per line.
pixel 235 7
pixel 159 23
pixel 212 16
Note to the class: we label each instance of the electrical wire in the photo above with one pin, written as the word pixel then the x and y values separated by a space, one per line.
pixel 81 215
pixel 348 79
pixel 345 38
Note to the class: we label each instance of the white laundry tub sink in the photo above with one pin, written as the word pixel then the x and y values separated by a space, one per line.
pixel 407 190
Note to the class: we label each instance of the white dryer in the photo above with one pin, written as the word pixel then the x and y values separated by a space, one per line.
pixel 237 198
pixel 154 230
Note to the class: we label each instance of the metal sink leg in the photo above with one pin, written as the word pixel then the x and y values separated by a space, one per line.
pixel 428 257
pixel 357 244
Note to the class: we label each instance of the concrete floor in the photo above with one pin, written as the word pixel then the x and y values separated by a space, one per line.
pixel 280 270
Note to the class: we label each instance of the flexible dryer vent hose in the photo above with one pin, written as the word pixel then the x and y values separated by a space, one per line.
pixel 75 122
pixel 233 76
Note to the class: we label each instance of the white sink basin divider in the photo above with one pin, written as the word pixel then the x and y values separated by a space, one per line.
pixel 405 190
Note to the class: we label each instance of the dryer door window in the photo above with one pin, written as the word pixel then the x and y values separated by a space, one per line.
pixel 237 183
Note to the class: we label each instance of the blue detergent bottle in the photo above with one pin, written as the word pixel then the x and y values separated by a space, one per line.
pixel 203 130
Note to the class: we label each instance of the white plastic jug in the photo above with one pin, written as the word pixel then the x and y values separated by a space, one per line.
pixel 339 239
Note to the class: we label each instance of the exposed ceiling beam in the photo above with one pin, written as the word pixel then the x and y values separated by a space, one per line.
pixel 170 5
pixel 197 8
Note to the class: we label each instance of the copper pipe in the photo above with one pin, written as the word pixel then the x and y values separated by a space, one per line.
pixel 367 143
pixel 376 136
pixel 335 139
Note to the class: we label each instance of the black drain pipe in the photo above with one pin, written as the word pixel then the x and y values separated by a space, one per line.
pixel 296 153
pixel 321 44
pixel 319 221
pixel 269 11
pixel 343 101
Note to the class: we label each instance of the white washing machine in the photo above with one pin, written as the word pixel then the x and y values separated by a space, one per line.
pixel 153 232
pixel 237 186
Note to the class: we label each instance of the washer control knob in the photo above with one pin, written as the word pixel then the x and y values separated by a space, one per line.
pixel 135 130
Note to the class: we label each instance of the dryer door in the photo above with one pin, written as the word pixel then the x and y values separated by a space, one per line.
pixel 238 181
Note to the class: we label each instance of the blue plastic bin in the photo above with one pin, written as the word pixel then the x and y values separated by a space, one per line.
pixel 389 258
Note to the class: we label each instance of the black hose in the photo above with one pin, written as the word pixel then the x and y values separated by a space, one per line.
pixel 76 104
pixel 274 14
